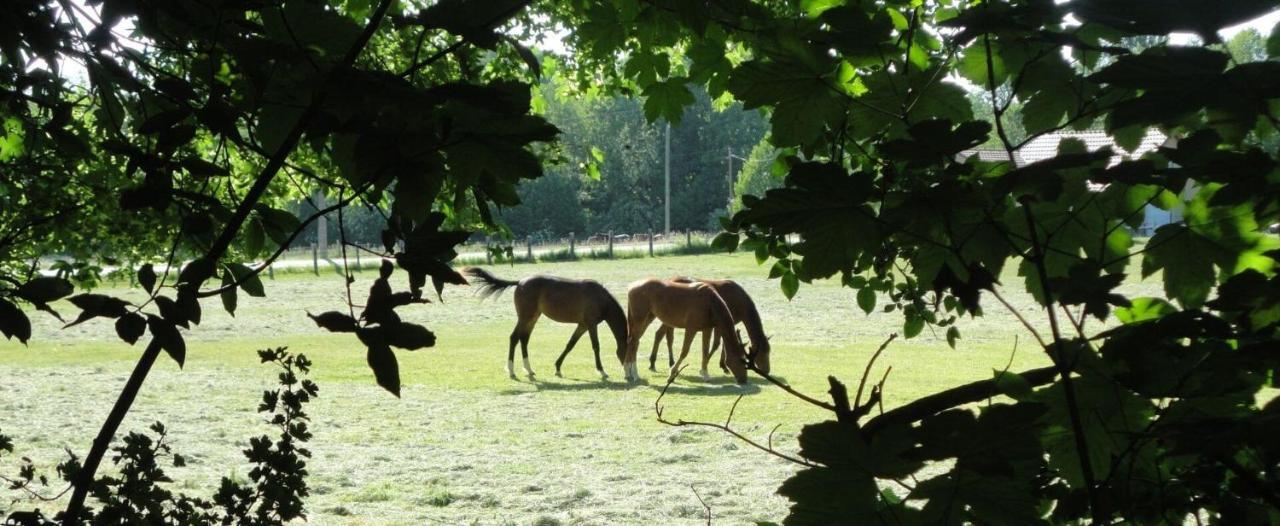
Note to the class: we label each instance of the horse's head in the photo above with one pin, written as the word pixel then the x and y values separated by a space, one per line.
pixel 759 356
pixel 735 357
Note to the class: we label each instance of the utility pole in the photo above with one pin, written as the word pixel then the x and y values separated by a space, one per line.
pixel 667 170
pixel 322 226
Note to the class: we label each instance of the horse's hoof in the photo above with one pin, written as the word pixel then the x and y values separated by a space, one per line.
pixel 653 369
pixel 704 374
pixel 558 375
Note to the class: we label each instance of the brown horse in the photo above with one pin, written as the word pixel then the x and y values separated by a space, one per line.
pixel 694 307
pixel 743 311
pixel 582 302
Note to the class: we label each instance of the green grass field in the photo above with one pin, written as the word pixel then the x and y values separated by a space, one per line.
pixel 466 444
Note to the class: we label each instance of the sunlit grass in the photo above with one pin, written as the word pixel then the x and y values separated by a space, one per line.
pixel 467 444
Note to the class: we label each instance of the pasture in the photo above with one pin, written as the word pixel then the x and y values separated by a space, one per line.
pixel 466 444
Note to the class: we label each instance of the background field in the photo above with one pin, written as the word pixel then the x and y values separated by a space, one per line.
pixel 466 444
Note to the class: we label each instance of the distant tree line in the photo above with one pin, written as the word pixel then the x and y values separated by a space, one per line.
pixel 608 173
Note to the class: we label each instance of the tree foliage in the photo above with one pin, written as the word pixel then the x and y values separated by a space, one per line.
pixel 1151 420
pixel 195 122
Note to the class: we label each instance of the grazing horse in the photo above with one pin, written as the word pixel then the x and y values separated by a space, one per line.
pixel 579 301
pixel 743 311
pixel 694 307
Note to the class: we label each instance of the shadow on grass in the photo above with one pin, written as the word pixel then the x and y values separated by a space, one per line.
pixel 715 386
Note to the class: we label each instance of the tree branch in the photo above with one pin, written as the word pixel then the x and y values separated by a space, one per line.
pixel 85 477
pixel 941 401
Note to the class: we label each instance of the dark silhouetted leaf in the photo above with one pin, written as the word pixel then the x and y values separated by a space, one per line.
pixel 249 281
pixel 130 327
pixel 167 335
pixel 14 323
pixel 229 294
pixel 334 321
pixel 45 289
pixel 94 305
pixel 147 277
pixel 385 368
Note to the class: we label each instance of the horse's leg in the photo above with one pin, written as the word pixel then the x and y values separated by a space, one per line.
pixel 671 335
pixel 684 351
pixel 706 352
pixel 573 340
pixel 715 344
pixel 524 344
pixel 663 330
pixel 595 346
pixel 511 351
pixel 638 319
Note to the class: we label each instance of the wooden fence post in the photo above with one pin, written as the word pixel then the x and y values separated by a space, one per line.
pixel 572 242
pixel 610 244
pixel 357 251
pixel 488 254
pixel 688 238
pixel 650 242
pixel 528 248
pixel 315 258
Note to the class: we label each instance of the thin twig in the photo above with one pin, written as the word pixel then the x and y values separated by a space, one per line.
pixel 704 503
pixel 1018 315
pixel 857 399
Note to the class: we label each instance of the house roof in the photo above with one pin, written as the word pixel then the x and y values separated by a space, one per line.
pixel 1046 147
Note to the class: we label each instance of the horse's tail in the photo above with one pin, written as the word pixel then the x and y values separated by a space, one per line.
pixel 489 284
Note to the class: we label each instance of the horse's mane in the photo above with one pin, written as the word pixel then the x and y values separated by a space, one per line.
pixel 616 318
pixel 724 321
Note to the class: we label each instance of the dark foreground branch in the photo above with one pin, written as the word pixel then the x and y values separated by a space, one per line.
pixel 954 397
pixel 85 477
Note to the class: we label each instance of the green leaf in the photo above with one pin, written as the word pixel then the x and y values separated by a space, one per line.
pixel 866 299
pixel 274 124
pixel 1273 42
pixel 229 295
pixel 912 325
pixel 953 334
pixel 1046 110
pixel 800 92
pixel 250 282
pixel 1113 414
pixel 647 68
pixel 725 242
pixel 831 496
pixel 667 99
pixel 814 8
pixel 1011 384
pixel 827 208
pixel 790 284
pixel 1186 259
pixel 1144 309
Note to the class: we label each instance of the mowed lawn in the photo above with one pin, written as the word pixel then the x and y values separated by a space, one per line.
pixel 466 444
